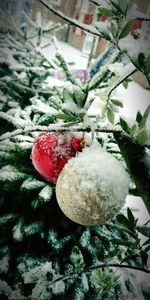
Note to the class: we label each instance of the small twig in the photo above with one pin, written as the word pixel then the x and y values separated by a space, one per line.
pixel 118 83
pixel 118 266
pixel 94 2
pixel 147 223
pixel 91 268
pixel 143 19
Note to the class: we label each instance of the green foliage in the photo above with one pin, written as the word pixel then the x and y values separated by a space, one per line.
pixel 105 12
pixel 119 26
pixel 76 258
pixel 104 281
pixel 142 137
pixel 31 184
pixel 110 116
pixel 137 131
pixel 124 125
pixel 126 83
pixel 143 63
pixel 144 230
pixel 142 123
pixel 122 5
pixel 126 30
pixel 117 102
pixel 135 247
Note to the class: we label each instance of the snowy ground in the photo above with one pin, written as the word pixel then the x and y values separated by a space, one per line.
pixel 134 98
pixel 70 54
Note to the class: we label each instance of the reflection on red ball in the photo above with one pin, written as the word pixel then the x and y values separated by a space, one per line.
pixel 51 151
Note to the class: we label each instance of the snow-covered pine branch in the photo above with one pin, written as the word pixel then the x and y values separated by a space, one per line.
pixel 56 128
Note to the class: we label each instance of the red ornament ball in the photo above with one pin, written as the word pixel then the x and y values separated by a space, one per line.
pixel 51 151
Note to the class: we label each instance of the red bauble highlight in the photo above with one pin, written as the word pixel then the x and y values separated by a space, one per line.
pixel 51 151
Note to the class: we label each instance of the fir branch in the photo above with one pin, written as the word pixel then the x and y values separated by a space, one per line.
pixel 55 128
pixel 15 121
pixel 64 66
pixel 31 69
pixel 64 128
pixel 38 50
pixel 91 268
pixel 20 88
pixel 72 21
pixel 91 53
pixel 63 63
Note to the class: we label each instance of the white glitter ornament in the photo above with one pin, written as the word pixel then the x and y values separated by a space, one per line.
pixel 92 187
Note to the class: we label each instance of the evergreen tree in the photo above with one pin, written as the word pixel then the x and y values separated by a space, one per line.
pixel 44 254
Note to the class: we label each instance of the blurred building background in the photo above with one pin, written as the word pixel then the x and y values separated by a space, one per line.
pixel 82 10
pixel 85 12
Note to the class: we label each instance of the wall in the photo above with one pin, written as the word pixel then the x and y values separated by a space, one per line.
pixel 85 13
